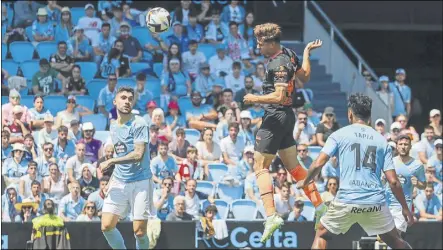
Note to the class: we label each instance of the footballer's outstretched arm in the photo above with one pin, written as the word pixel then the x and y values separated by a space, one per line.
pixel 304 74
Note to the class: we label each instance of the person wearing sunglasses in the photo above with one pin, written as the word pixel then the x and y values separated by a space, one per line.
pixel 163 198
pixel 107 95
pixel 332 186
pixel 72 112
pixel 26 210
pixel 405 129
pixel 303 155
pixel 14 100
pixel 45 159
pixel 304 130
pixel 17 128
pixel 89 213
pixel 327 126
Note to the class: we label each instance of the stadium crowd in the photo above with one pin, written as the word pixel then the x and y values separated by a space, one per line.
pixel 189 84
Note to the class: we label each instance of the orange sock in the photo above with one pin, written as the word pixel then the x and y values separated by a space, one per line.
pixel 299 173
pixel 264 182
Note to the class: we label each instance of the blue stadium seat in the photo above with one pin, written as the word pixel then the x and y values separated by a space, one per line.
pixel 184 103
pixel 24 92
pixel 21 51
pixel 158 69
pixel 216 171
pixel 86 101
pixel 308 211
pixel 192 136
pixel 10 14
pixel 154 85
pixel 94 86
pixel 228 193
pixel 143 35
pixel 10 66
pixel 222 207
pixel 207 49
pixel 139 68
pixel 29 68
pixel 99 121
pixel 55 103
pixel 260 213
pixel 76 13
pixel 314 151
pixel 205 187
pixel 5 99
pixel 102 136
pixel 4 51
pixel 243 209
pixel 46 49
pixel 129 82
pixel 28 32
pixel 88 69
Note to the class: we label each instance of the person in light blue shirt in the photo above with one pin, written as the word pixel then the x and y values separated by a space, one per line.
pixel 331 169
pixel 104 43
pixel 402 94
pixel 257 111
pixel 411 174
pixel 179 37
pixel 247 30
pixel 251 188
pixel 78 46
pixel 6 146
pixel 42 28
pixel 436 160
pixel 173 118
pixel 296 214
pixel 110 64
pixel 107 95
pixel 428 204
pixel 163 165
pixel 200 116
pixel 235 43
pixel 142 94
pixel 363 154
pixel 63 148
pixel 64 29
pixel 176 82
pixel 16 165
pixel 71 205
pixel 233 13
pixel 195 30
pixel 54 12
pixel 164 199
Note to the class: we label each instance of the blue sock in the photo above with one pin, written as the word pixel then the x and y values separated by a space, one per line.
pixel 142 242
pixel 115 239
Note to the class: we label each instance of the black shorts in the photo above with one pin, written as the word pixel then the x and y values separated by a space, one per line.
pixel 275 132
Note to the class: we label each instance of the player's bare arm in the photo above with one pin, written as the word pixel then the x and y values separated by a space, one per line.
pixel 132 157
pixel 395 185
pixel 276 97
pixel 314 169
pixel 304 74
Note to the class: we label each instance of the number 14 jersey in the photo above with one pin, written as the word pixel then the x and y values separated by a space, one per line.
pixel 362 155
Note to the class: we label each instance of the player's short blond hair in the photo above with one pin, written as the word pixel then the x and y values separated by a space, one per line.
pixel 268 32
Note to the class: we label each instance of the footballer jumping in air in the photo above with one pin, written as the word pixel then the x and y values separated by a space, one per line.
pixel 130 187
pixel 275 133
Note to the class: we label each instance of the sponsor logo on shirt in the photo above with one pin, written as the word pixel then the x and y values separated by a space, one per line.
pixel 356 210
pixel 120 148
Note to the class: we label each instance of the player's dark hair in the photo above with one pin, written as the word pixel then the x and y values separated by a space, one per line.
pixel 268 32
pixel 140 77
pixel 179 131
pixel 429 127
pixel 360 106
pixel 106 25
pixel 233 23
pixel 236 65
pixel 234 125
pixel 125 89
pixel 228 90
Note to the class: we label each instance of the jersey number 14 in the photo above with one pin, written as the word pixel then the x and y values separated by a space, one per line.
pixel 369 161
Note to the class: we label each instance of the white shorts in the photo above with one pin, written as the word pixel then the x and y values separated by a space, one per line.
pixel 399 219
pixel 135 197
pixel 374 219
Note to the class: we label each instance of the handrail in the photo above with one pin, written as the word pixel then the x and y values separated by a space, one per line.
pixel 335 31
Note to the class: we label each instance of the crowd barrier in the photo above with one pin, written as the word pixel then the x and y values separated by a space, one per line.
pixel 183 235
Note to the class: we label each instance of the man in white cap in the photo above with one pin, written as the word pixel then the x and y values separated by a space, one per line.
pixel 14 99
pixel 16 127
pixel 89 23
pixel 402 94
pixel 42 28
pixel 247 132
pixel 436 159
pixel 380 125
pixel 394 131
pixel 425 147
pixel 46 134
pixel 435 118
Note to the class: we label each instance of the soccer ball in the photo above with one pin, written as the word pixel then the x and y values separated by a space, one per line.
pixel 158 20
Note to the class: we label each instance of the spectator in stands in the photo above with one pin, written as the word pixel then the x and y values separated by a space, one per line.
pixel 107 95
pixel 176 82
pixel 380 127
pixel 233 13
pixel 108 154
pixel 296 214
pixel 173 52
pixel 88 182
pixel 26 210
pixel 204 80
pixel 303 155
pixel 24 187
pixel 104 43
pixel 16 127
pixel 332 185
pixel 163 165
pixel 205 226
pixel 55 184
pixel 216 31
pixel 16 165
pixel 38 113
pixel 312 115
pixel 327 126
pixel 132 48
pixel 164 199
pixel 24 13
pixel 37 195
pixel 247 67
pixel 179 213
pixel 236 79
pixel 130 15
pixel 331 169
pixel 247 131
pixel 228 100
pixel 179 37
pixel 179 145
pixel 150 107
pixel 98 196
pixel 208 150
pixel 71 204
pixel 435 119
pixel 431 178
pixel 123 70
pixel 235 43
pixel 110 64
pixel 259 76
pixel 247 31
pixel 284 201
pixel 192 59
pixel 93 146
pixel 64 31
pixel 257 112
pixel 394 131
pixel 31 151
pixel 116 21
pixel 90 24
pixel 53 10
pixel 72 112
pixel 14 100
pixel 222 127
pixel 436 159
pixel 279 179
pixel 385 93
pixel 426 147
pixel 78 46
pixel 9 200
pixel 246 164
pixel 403 120
pixel 232 148
pixel 44 81
pixel 89 213
pixel 75 131
pixel 221 64
pixel 402 94
pixel 200 116
pixel 153 140
pixel 251 188
pixel 304 131
pixel 46 133
pixel 213 98
pixel 174 119
pixel 193 198
pixel 142 94
pixel 428 205
pixel 158 118
pixel 248 89
pixel 62 62
pixel 195 30
pixel 42 28
pixel 183 12
pixel 44 160
pixel 190 167
pixel 6 146
pixel 75 163
pixel 76 83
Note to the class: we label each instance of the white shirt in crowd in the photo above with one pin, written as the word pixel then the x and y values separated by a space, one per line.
pixel 84 217
pixel 234 150
pixel 426 147
pixel 205 154
pixel 191 63
pixel 217 65
pixel 235 84
pixel 27 180
pixel 91 26
pixel 282 206
pixel 306 134
pixel 192 205
pixel 44 137
pixel 76 165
